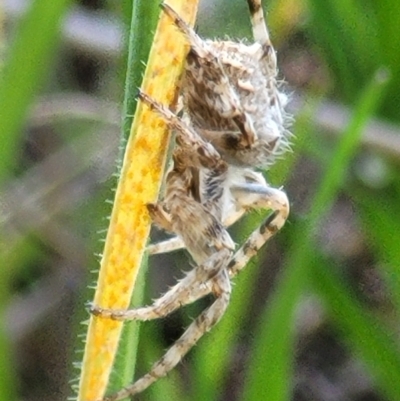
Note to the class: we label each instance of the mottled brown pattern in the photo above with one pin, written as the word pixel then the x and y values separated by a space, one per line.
pixel 232 96
pixel 233 122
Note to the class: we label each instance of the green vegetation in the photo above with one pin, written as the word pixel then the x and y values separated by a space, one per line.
pixel 354 45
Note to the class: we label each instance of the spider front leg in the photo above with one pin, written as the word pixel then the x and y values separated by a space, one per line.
pixel 259 196
pixel 194 151
pixel 222 289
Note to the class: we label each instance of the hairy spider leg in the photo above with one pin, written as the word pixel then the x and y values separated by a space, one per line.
pixel 253 196
pixel 207 319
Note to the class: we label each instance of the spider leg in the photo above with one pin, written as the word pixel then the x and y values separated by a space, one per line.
pixel 207 76
pixel 159 216
pixel 250 247
pixel 194 152
pixel 179 295
pixel 254 196
pixel 260 32
pixel 170 245
pixel 186 291
pixel 259 196
pixel 207 319
pixel 261 35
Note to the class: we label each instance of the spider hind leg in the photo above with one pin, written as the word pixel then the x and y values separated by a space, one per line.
pixel 201 325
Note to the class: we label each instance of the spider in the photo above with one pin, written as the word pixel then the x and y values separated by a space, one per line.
pixel 234 122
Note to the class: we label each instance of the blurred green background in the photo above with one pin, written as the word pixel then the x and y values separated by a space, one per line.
pixel 315 316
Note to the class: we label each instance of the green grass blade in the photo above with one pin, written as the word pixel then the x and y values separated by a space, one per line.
pixel 336 170
pixel 342 28
pixel 368 338
pixel 270 363
pixel 24 69
pixel 386 30
pixel 273 353
pixel 144 19
pixel 384 217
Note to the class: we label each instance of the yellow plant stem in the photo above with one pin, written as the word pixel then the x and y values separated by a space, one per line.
pixel 139 184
